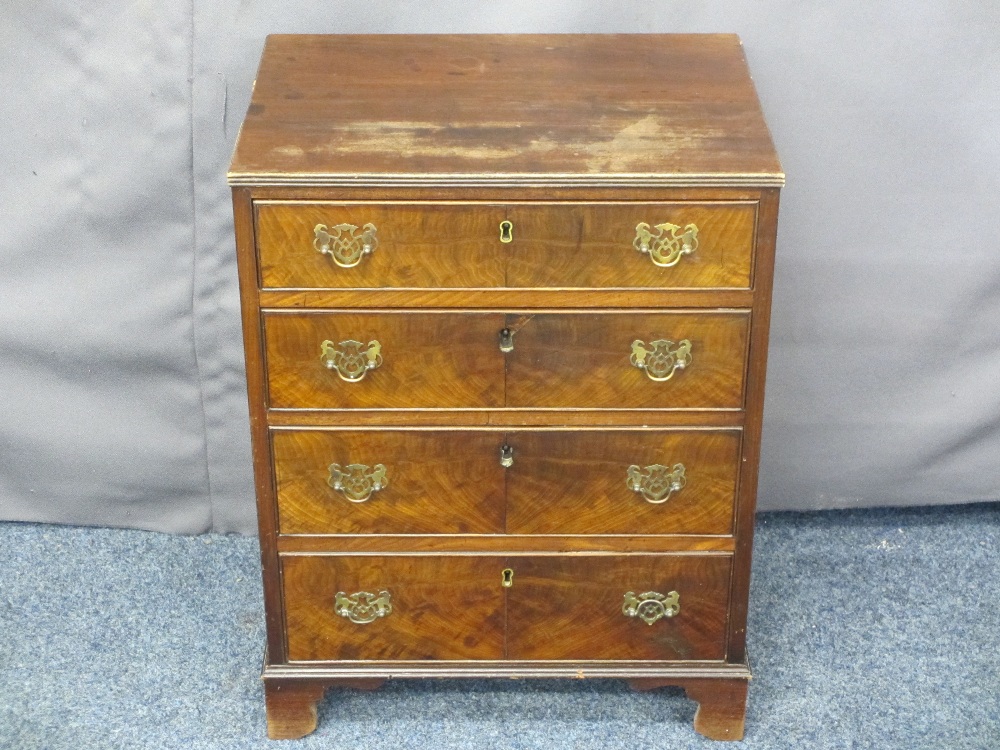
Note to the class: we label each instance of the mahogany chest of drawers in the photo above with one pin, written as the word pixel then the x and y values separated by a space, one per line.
pixel 505 307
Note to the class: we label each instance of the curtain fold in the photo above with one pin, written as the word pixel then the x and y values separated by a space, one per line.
pixel 121 369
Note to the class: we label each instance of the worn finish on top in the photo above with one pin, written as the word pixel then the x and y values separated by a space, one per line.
pixel 511 109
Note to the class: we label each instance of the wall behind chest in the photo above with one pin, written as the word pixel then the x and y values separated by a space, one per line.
pixel 119 325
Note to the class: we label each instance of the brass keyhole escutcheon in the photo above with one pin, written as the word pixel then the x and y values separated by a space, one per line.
pixel 506 232
pixel 506 340
pixel 506 456
pixel 508 578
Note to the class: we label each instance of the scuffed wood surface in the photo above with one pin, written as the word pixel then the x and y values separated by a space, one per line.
pixel 436 105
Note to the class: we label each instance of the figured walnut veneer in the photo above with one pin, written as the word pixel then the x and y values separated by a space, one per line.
pixel 422 245
pixel 558 360
pixel 565 246
pixel 439 482
pixel 443 608
pixel 560 245
pixel 562 482
pixel 571 482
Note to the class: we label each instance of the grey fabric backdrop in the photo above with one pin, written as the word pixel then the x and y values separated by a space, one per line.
pixel 123 397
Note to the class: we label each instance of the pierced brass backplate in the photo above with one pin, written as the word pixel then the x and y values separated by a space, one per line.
pixel 668 245
pixel 660 359
pixel 343 244
pixel 351 359
pixel 363 607
pixel 656 483
pixel 356 482
pixel 651 606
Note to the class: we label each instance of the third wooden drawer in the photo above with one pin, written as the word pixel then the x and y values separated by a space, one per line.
pixel 417 481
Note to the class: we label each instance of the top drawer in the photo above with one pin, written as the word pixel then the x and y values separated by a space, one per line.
pixel 678 245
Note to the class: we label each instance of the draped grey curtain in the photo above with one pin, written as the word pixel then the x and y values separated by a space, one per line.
pixel 122 396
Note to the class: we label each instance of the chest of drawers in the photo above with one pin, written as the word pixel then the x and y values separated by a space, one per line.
pixel 505 308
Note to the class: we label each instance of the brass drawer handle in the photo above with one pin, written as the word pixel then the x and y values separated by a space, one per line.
pixel 656 483
pixel 363 607
pixel 668 245
pixel 651 606
pixel 343 244
pixel 356 482
pixel 351 359
pixel 661 359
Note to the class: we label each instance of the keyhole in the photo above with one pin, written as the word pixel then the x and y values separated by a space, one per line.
pixel 506 456
pixel 508 578
pixel 506 231
pixel 506 340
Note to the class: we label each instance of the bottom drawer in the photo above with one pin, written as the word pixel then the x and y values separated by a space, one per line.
pixel 524 607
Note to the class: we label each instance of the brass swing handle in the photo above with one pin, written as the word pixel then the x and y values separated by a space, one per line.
pixel 660 359
pixel 656 483
pixel 651 605
pixel 363 607
pixel 342 242
pixel 351 359
pixel 668 244
pixel 356 482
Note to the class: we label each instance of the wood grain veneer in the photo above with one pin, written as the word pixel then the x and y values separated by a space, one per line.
pixel 571 608
pixel 422 245
pixel 575 482
pixel 430 360
pixel 442 608
pixel 582 360
pixel 441 245
pixel 439 482
pixel 559 360
pixel 561 482
pixel 557 607
pixel 590 245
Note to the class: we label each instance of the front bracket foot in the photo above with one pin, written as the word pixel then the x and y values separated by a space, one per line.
pixel 722 703
pixel 291 703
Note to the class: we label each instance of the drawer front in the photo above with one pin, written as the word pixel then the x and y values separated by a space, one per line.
pixel 591 360
pixel 575 607
pixel 622 482
pixel 321 245
pixel 599 245
pixel 422 360
pixel 393 607
pixel 562 245
pixel 388 482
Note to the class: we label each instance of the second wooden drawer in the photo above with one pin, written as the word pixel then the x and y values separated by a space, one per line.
pixel 679 481
pixel 608 360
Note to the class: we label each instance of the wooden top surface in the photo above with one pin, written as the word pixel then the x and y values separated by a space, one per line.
pixel 636 109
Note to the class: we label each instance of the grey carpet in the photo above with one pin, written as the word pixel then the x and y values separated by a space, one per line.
pixel 868 629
